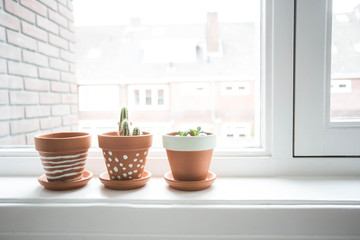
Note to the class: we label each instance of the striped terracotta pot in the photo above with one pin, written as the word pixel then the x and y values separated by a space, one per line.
pixel 63 155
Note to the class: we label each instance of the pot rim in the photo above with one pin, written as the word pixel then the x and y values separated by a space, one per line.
pixel 145 134
pixel 79 136
pixel 184 143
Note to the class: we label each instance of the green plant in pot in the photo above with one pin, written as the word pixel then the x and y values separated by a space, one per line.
pixel 189 153
pixel 125 151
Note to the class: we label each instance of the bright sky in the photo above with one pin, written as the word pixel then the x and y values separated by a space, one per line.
pixel 118 12
pixel 344 6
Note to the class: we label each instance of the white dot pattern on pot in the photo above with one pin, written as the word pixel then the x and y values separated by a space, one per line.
pixel 125 165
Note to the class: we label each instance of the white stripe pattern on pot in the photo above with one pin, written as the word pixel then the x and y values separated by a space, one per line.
pixel 64 175
pixel 69 165
pixel 60 157
pixel 60 162
pixel 62 168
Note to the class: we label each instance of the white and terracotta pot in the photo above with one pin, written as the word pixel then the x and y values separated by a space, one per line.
pixel 189 157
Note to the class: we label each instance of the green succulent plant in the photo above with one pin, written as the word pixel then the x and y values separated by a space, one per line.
pixel 192 132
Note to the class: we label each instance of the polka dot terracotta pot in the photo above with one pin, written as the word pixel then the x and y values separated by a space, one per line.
pixel 125 156
pixel 63 154
pixel 189 157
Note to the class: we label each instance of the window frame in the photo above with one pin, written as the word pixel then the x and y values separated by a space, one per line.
pixel 276 159
pixel 315 135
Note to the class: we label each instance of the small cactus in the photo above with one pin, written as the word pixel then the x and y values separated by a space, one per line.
pixel 125 128
pixel 124 115
pixel 136 131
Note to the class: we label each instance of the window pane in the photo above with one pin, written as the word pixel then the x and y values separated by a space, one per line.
pixel 345 61
pixel 137 97
pixel 177 67
pixel 160 97
pixel 148 97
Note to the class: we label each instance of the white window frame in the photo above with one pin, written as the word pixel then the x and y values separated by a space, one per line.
pixel 314 133
pixel 276 159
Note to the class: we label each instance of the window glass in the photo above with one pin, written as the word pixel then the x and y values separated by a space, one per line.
pixel 182 65
pixel 187 64
pixel 345 61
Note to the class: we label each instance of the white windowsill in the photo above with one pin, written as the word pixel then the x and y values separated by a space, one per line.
pixel 234 191
pixel 233 208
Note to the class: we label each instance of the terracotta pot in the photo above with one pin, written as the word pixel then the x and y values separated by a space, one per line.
pixel 63 154
pixel 125 156
pixel 189 157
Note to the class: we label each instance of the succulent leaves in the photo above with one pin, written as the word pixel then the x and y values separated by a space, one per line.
pixel 192 132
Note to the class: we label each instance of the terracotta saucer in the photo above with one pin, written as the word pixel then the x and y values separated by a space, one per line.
pixel 190 185
pixel 61 186
pixel 124 184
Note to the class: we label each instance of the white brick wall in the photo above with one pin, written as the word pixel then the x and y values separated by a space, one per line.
pixel 38 91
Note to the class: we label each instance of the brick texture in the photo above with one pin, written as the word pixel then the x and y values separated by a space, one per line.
pixel 24 97
pixel 48 50
pixel 50 74
pixel 35 58
pixel 50 98
pixel 4 97
pixel 10 113
pixel 37 111
pixel 20 40
pixel 46 24
pixel 38 91
pixel 35 6
pixel 33 31
pixel 22 69
pixel 9 21
pixel 2 34
pixel 19 11
pixel 10 52
pixel 34 84
pixel 24 126
pixel 11 82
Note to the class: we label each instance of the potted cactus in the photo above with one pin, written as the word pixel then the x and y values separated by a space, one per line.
pixel 189 154
pixel 125 151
